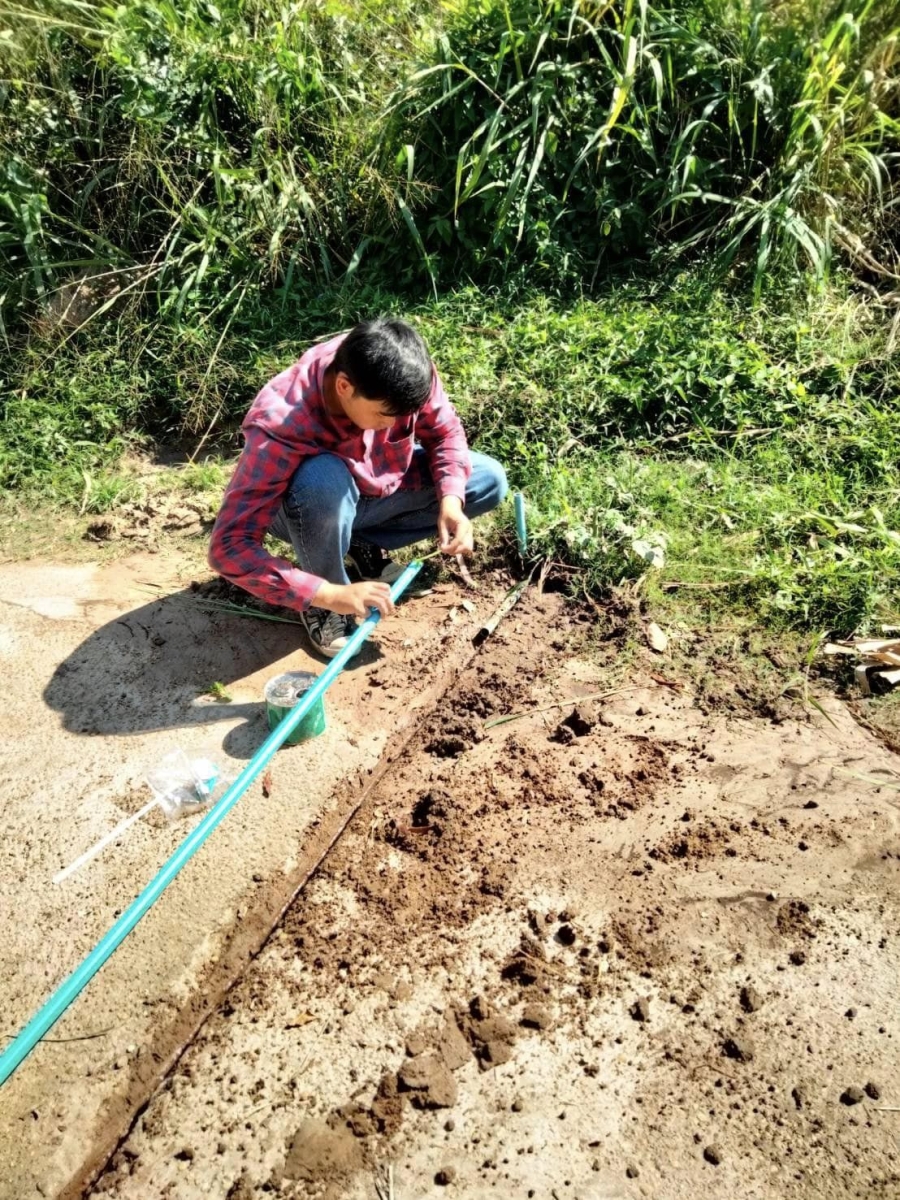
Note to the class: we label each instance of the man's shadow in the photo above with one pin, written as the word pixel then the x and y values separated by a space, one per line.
pixel 153 668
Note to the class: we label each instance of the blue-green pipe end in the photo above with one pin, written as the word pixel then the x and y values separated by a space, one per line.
pixel 521 529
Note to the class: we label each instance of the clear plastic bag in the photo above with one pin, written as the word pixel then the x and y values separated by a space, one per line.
pixel 184 785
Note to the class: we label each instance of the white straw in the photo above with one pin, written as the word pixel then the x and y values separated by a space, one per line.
pixel 104 841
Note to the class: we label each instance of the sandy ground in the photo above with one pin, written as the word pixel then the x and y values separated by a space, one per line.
pixel 627 948
pixel 107 669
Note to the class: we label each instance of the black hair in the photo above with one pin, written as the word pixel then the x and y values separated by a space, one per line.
pixel 387 360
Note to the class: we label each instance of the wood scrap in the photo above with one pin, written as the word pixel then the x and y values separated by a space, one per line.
pixel 878 658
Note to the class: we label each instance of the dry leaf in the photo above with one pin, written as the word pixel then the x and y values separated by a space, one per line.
pixel 669 683
pixel 464 572
pixel 656 639
pixel 874 652
pixel 301 1019
pixel 267 784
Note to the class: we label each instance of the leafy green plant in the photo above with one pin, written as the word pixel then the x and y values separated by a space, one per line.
pixel 568 133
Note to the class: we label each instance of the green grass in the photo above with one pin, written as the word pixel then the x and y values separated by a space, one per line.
pixel 750 450
pixel 747 449
pixel 633 237
pixel 171 159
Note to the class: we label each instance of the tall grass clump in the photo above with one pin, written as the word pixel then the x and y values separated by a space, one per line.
pixel 563 135
pixel 181 155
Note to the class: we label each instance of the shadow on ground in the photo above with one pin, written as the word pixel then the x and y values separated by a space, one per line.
pixel 153 668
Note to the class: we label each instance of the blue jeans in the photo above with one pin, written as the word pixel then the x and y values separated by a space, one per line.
pixel 323 507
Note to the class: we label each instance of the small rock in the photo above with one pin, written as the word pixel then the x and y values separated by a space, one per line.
pixel 360 1120
pixel 713 1155
pixel 536 1016
pixel 810 804
pixel 479 1008
pixel 452 1046
pixel 517 1105
pixel 873 1091
pixel 580 720
pixel 797 958
pixel 493 1039
pixel 740 1051
pixel 316 1151
pixel 566 935
pixel 640 1010
pixel 750 999
pixel 850 1014
pixel 416 1044
pixel 449 1124
pixel 187 1154
pixel 563 734
pixel 852 1095
pixel 496 1052
pixel 428 1078
pixel 632 1172
pixel 445 1176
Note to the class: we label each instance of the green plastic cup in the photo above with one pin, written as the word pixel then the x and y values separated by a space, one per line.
pixel 283 694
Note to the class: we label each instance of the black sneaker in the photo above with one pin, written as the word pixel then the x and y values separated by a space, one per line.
pixel 369 561
pixel 328 631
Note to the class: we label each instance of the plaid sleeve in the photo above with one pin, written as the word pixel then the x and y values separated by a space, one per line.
pixel 440 432
pixel 249 506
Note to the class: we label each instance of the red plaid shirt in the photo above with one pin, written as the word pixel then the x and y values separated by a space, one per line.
pixel 289 421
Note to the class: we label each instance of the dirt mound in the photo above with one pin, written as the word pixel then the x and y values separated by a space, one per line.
pixel 698 840
pixel 320 1152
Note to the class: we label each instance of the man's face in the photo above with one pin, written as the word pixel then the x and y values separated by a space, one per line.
pixel 365 413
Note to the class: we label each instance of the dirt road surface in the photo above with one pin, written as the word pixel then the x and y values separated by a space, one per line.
pixel 106 669
pixel 635 947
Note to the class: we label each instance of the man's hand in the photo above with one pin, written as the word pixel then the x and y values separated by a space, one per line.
pixel 355 599
pixel 455 533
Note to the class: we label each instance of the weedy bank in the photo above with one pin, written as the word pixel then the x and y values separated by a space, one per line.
pixel 650 247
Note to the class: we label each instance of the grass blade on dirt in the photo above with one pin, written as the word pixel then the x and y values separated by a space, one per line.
pixel 530 712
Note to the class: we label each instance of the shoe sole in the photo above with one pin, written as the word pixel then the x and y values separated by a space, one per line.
pixel 325 651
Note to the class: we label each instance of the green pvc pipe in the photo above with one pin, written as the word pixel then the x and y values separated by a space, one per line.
pixel 53 1009
pixel 521 530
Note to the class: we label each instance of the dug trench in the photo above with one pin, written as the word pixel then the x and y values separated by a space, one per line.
pixel 624 947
